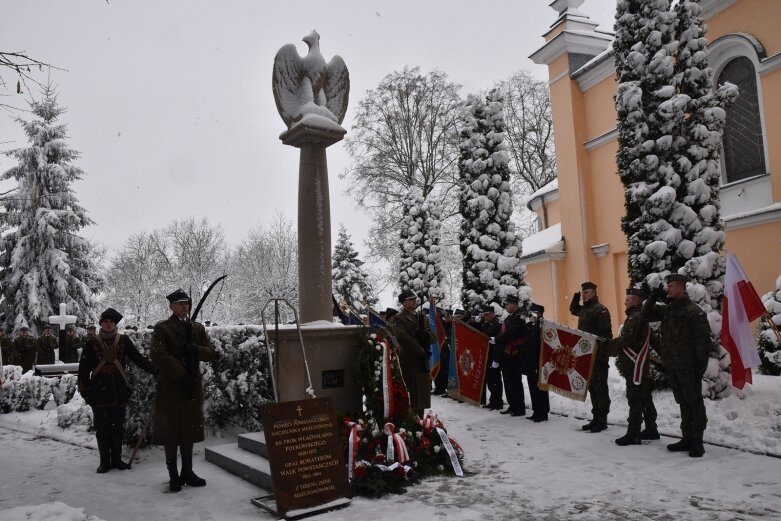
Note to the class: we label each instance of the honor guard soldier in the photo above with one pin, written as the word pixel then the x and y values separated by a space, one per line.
pixel 69 352
pixel 530 364
pixel 24 348
pixel 45 346
pixel 510 341
pixel 493 374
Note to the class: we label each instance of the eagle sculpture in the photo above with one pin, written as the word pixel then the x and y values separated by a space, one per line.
pixel 309 85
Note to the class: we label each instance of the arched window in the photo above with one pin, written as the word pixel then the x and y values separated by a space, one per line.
pixel 744 154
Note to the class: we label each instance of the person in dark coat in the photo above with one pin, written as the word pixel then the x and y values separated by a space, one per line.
pixel 530 364
pixel 440 382
pixel 178 345
pixel 685 350
pixel 69 351
pixel 510 342
pixel 24 348
pixel 104 385
pixel 414 337
pixel 45 346
pixel 594 318
pixel 493 374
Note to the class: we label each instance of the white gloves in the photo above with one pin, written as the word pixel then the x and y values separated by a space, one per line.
pixel 495 365
pixel 491 340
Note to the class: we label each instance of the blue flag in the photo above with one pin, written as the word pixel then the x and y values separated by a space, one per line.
pixel 435 323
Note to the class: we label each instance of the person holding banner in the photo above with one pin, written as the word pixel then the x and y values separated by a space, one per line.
pixel 594 318
pixel 510 341
pixel 493 374
pixel 686 346
pixel 632 347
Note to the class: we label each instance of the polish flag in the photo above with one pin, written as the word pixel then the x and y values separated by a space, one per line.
pixel 741 306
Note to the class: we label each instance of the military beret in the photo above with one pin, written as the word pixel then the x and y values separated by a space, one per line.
pixel 511 299
pixel 677 277
pixel 537 308
pixel 406 295
pixel 588 285
pixel 390 312
pixel 178 295
pixel 636 292
pixel 110 314
pixel 47 326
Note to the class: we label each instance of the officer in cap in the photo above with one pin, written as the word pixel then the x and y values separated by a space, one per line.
pixel 530 364
pixel 178 345
pixel 685 350
pixel 413 333
pixel 509 342
pixel 493 374
pixel 24 349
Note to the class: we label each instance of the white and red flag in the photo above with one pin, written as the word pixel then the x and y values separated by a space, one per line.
pixel 740 307
pixel 566 360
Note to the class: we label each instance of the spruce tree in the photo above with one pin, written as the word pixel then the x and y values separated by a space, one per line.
pixel 350 282
pixel 43 260
pixel 490 247
pixel 767 340
pixel 420 268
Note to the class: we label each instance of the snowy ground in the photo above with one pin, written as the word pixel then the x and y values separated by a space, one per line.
pixel 517 470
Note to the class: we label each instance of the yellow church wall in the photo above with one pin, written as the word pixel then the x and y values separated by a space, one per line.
pixel 758 18
pixel 758 248
pixel 771 106
pixel 600 110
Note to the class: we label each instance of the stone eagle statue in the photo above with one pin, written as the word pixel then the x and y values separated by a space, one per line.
pixel 309 85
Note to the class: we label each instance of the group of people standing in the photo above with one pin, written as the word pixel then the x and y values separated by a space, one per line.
pixel 27 351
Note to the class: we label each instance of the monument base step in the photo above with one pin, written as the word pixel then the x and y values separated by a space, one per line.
pixel 254 442
pixel 244 464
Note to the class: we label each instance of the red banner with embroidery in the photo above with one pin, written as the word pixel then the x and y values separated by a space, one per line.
pixel 471 359
pixel 566 360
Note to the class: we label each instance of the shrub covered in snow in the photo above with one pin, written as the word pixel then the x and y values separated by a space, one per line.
pixel 64 387
pixel 767 340
pixel 14 393
pixel 75 412
pixel 350 282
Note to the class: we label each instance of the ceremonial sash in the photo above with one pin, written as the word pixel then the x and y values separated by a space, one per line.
pixel 639 358
pixel 109 357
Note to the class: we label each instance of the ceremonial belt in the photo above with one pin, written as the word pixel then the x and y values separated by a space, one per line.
pixel 110 356
pixel 639 358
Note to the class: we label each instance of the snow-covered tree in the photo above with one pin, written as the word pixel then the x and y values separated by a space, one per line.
pixel 350 282
pixel 490 247
pixel 43 259
pixel 767 339
pixel 419 267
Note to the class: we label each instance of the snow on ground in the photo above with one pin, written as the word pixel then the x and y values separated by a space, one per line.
pixel 517 469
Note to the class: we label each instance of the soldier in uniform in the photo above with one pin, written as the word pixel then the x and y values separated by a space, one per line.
pixel 510 342
pixel 414 336
pixel 45 346
pixel 104 385
pixel 530 365
pixel 24 347
pixel 631 347
pixel 178 345
pixel 493 374
pixel 69 350
pixel 686 346
pixel 594 318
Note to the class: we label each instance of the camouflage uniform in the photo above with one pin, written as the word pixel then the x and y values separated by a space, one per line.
pixel 24 349
pixel 413 357
pixel 45 346
pixel 594 318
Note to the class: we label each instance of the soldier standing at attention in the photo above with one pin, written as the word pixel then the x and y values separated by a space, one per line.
pixel 530 365
pixel 632 346
pixel 686 345
pixel 45 346
pixel 24 346
pixel 69 351
pixel 493 374
pixel 178 345
pixel 104 385
pixel 594 318
pixel 414 336
pixel 510 343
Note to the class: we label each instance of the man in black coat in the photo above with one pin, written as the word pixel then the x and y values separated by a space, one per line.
pixel 69 351
pixel 104 385
pixel 530 364
pixel 493 374
pixel 510 342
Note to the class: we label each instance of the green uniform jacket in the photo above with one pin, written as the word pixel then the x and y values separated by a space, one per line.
pixel 24 348
pixel 413 357
pixel 686 335
pixel 178 413
pixel 45 346
pixel 633 335
pixel 594 318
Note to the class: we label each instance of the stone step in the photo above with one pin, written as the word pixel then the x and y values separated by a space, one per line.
pixel 246 465
pixel 254 442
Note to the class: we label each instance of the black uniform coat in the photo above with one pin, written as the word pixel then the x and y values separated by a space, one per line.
pixel 45 346
pixel 24 348
pixel 69 351
pixel 178 411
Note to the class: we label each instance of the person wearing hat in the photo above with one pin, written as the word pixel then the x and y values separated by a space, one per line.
pixel 685 351
pixel 594 318
pixel 69 351
pixel 105 386
pixel 493 374
pixel 178 347
pixel 45 346
pixel 509 342
pixel 24 349
pixel 413 333
pixel 632 346
pixel 530 365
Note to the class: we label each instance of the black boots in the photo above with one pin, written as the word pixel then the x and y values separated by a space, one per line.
pixel 680 446
pixel 174 484
pixel 598 426
pixel 187 476
pixel 104 449
pixel 649 433
pixel 629 438
pixel 587 427
pixel 696 450
pixel 116 452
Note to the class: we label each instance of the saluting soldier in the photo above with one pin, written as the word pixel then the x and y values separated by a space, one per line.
pixel 178 347
pixel 510 342
pixel 632 347
pixel 104 385
pixel 69 350
pixel 594 318
pixel 24 347
pixel 45 346
pixel 413 333
pixel 685 350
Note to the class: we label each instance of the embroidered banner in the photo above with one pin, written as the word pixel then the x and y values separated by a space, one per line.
pixel 471 355
pixel 566 360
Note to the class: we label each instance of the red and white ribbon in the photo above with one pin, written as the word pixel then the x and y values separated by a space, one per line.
pixel 387 381
pixel 639 358
pixel 451 452
pixel 352 448
pixel 397 449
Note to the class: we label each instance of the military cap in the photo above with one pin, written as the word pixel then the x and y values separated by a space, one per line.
pixel 110 314
pixel 489 309
pixel 636 292
pixel 406 295
pixel 390 312
pixel 70 327
pixel 90 327
pixel 178 295
pixel 677 277
pixel 47 326
pixel 588 285
pixel 511 299
pixel 537 308
pixel 24 328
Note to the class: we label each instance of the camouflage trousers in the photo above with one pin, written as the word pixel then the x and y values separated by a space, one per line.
pixel 687 390
pixel 598 391
pixel 641 405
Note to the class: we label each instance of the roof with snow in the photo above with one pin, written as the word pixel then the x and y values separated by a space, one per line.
pixel 548 240
pixel 549 188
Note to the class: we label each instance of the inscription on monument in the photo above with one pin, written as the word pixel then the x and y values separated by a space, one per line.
pixel 305 454
pixel 333 379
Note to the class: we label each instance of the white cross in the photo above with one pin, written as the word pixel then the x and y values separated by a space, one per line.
pixel 62 319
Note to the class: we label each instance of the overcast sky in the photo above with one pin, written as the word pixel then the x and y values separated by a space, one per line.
pixel 170 104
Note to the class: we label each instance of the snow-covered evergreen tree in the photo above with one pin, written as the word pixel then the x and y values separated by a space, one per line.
pixel 43 260
pixel 350 282
pixel 490 247
pixel 767 340
pixel 419 267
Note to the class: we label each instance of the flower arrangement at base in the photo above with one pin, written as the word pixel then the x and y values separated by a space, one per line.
pixel 388 448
